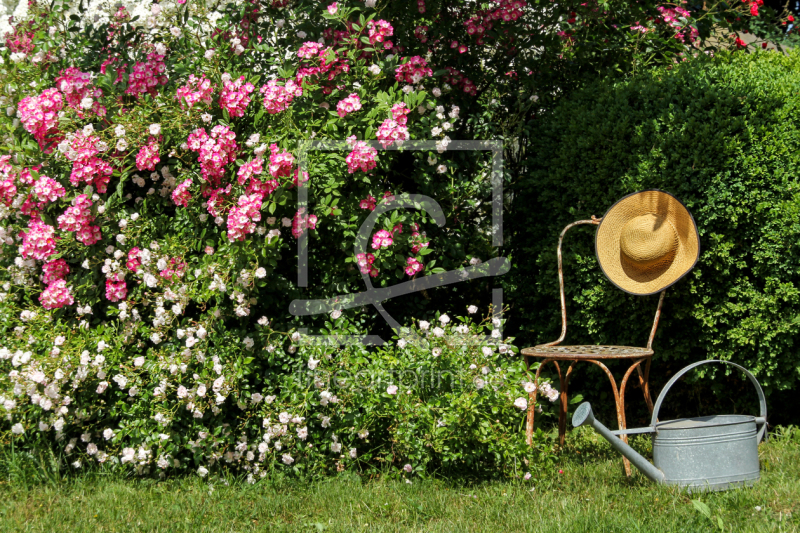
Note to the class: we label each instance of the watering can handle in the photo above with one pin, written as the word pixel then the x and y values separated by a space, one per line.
pixel 761 399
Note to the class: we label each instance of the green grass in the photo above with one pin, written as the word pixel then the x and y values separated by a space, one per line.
pixel 590 495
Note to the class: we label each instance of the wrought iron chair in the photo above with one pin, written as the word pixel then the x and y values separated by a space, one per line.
pixel 553 352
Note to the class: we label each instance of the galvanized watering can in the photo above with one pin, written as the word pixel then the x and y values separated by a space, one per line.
pixel 704 453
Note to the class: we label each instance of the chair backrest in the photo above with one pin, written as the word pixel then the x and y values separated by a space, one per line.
pixel 594 221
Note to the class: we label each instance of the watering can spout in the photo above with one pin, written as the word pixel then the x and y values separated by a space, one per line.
pixel 584 415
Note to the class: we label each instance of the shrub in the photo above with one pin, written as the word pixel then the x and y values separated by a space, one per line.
pixel 722 136
pixel 444 397
pixel 149 217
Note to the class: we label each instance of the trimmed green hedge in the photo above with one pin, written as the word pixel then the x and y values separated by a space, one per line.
pixel 723 135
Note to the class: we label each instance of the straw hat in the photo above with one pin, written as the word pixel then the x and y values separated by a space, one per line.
pixel 646 242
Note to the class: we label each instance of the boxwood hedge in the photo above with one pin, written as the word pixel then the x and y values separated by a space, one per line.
pixel 721 134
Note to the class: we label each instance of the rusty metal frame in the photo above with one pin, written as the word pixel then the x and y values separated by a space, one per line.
pixel 594 358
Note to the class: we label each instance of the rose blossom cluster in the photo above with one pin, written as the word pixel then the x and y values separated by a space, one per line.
pixel 418 241
pixel 278 97
pixel 456 78
pixel 421 33
pixel 82 148
pixel 395 128
pixel 197 89
pixel 365 264
pixel 301 222
pixel 413 70
pixel 174 268
pixel 147 75
pixel 309 50
pixel 507 11
pixel 672 16
pixel 382 239
pixel 413 266
pixel 548 390
pixel 114 270
pixel 370 202
pixel 362 156
pixel 379 30
pixel 134 259
pixel 250 169
pixel 235 95
pixel 247 175
pixel 116 288
pixel 348 105
pixel 21 39
pixel 79 91
pixel 242 217
pixel 148 156
pixel 54 270
pixel 47 190
pixel 39 115
pixel 8 189
pixel 462 48
pixel 56 295
pixel 78 218
pixel 280 162
pixel 216 198
pixel 215 151
pixel 330 65
pixel 754 4
pixel 39 242
pixel 181 195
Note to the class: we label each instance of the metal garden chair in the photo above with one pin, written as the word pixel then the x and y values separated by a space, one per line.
pixel 554 352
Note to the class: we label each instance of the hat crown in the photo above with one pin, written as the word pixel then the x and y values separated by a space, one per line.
pixel 647 239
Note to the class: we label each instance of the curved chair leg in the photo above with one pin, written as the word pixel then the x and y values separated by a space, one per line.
pixel 644 383
pixel 563 380
pixel 624 384
pixel 532 404
pixel 564 397
pixel 620 416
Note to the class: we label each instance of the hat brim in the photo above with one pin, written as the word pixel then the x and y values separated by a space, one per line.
pixel 615 265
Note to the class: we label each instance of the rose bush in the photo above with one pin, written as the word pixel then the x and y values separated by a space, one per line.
pixel 451 396
pixel 149 212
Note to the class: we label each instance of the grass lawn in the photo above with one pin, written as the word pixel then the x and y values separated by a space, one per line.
pixel 590 495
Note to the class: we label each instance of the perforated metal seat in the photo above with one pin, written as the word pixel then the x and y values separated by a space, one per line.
pixel 587 351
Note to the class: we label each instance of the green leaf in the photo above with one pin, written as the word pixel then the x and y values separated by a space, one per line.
pixel 702 508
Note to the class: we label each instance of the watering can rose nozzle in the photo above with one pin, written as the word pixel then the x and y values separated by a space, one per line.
pixel 583 414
